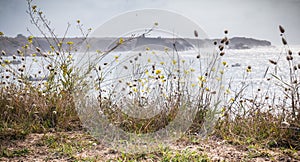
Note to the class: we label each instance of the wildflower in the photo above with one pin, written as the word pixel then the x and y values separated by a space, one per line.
pixel 174 62
pixel 134 89
pixel 162 63
pixel 30 39
pixel 121 41
pixel 249 69
pixel 7 61
pixel 231 99
pixel 33 55
pixel 227 91
pixel 193 85
pixel 116 57
pixel 221 72
pixel 202 79
pixel 147 48
pixel 1 33
pixel 70 43
pixel 157 71
pixel 161 76
pixel 207 89
pixel 224 63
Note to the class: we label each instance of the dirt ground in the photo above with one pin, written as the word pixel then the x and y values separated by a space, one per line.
pixel 79 146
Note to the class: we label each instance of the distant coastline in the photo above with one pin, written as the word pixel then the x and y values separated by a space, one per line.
pixel 11 45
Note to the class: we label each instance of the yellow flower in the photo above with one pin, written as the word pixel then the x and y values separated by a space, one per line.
pixel 78 21
pixel 221 72
pixel 149 60
pixel 162 77
pixel 33 55
pixel 231 100
pixel 121 41
pixel 70 43
pixel 157 71
pixel 162 63
pixel 116 57
pixel 1 33
pixel 174 62
pixel 147 48
pixel 7 61
pixel 192 70
pixel 202 79
pixel 193 85
pixel 227 91
pixel 134 89
pixel 156 23
pixel 207 89
pixel 224 63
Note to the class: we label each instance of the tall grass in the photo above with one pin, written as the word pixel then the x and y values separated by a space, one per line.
pixel 48 103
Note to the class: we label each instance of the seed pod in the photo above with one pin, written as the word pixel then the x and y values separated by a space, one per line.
pixel 273 62
pixel 195 33
pixel 221 47
pixel 295 67
pixel 3 53
pixel 281 29
pixel 38 49
pixel 284 42
pixel 227 42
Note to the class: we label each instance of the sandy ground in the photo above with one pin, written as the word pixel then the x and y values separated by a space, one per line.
pixel 79 146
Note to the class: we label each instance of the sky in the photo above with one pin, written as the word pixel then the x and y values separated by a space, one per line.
pixel 248 18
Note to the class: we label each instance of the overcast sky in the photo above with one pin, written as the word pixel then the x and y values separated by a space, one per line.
pixel 250 18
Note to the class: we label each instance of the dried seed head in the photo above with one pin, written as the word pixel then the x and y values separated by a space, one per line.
pixel 284 42
pixel 299 53
pixel 14 57
pixel 38 49
pixel 3 52
pixel 215 43
pixel 221 47
pixel 198 56
pixel 273 62
pixel 225 31
pixel 289 57
pixel 195 33
pixel 295 68
pixel 227 42
pixel 298 66
pixel 222 53
pixel 281 29
pixel 290 52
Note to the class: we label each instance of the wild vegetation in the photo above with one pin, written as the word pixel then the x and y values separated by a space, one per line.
pixel 265 120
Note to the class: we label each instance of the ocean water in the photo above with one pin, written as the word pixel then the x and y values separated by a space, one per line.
pixel 235 74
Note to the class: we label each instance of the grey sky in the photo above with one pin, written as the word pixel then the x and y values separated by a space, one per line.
pixel 250 18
